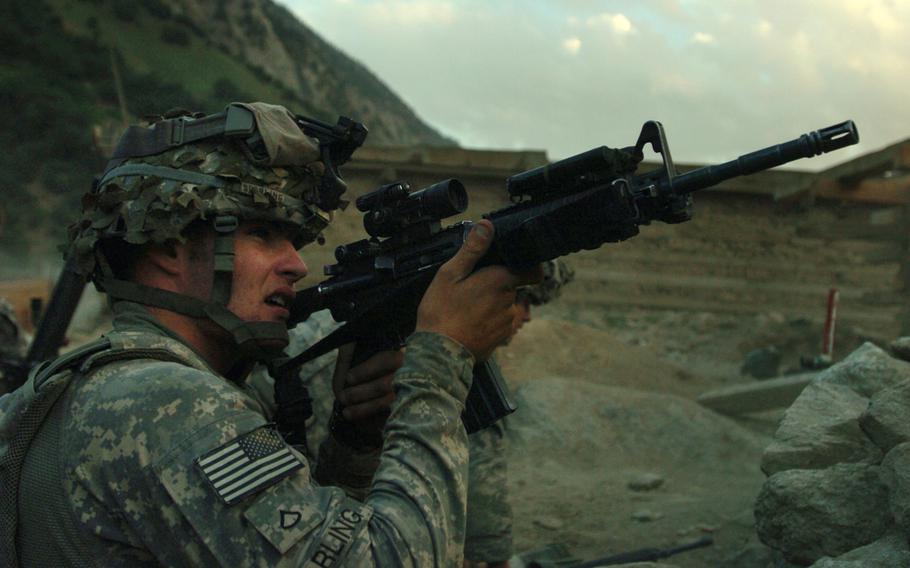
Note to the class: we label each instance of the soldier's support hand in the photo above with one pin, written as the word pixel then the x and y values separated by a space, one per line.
pixel 473 308
pixel 365 392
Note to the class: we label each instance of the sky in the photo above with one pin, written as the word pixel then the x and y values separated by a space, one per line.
pixel 724 77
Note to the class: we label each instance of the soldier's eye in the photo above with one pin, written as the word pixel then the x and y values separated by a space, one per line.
pixel 260 231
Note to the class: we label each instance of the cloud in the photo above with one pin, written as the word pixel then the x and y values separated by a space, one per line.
pixel 572 45
pixel 674 84
pixel 882 15
pixel 497 68
pixel 412 12
pixel 619 23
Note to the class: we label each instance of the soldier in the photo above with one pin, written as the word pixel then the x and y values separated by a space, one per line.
pixel 556 274
pixel 156 452
pixel 489 529
pixel 13 339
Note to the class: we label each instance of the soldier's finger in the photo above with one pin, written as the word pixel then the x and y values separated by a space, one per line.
pixel 370 409
pixel 379 364
pixel 342 366
pixel 475 246
pixel 377 388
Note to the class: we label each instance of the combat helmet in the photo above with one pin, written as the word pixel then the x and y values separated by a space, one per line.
pixel 251 162
pixel 556 274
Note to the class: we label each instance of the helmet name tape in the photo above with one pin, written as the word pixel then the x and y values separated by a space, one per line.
pixel 253 190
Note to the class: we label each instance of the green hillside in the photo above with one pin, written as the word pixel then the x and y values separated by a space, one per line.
pixel 58 64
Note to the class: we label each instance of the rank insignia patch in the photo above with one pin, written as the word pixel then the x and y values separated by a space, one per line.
pixel 248 464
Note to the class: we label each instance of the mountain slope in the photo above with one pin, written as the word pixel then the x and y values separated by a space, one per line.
pixel 71 70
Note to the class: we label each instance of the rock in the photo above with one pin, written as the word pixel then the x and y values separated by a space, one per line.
pixel 821 428
pixel 885 420
pixel 761 363
pixel 752 555
pixel 900 348
pixel 868 370
pixel 776 317
pixel 886 552
pixel 645 516
pixel 549 523
pixel 808 514
pixel 645 482
pixel 895 474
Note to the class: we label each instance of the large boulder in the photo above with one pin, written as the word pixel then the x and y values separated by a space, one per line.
pixel 808 514
pixel 885 420
pixel 900 348
pixel 895 474
pixel 820 429
pixel 826 499
pixel 889 551
pixel 868 370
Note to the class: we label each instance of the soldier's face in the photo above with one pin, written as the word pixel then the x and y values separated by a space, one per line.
pixel 521 314
pixel 266 266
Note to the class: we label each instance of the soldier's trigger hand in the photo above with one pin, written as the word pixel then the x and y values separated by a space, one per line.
pixel 473 308
pixel 366 393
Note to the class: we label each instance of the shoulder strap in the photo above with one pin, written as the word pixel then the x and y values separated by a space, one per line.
pixel 28 407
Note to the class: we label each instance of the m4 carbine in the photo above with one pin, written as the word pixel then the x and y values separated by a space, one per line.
pixel 577 203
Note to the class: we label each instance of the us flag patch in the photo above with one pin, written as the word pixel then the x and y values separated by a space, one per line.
pixel 248 464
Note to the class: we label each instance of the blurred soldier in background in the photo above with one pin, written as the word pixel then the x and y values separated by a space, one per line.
pixel 489 529
pixel 13 339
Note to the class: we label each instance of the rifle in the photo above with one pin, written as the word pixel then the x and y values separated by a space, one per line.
pixel 645 554
pixel 577 203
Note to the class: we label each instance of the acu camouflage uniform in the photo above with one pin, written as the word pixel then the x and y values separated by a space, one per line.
pixel 127 440
pixel 150 457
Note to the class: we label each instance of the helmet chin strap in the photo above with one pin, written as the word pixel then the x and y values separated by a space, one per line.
pixel 258 340
pixel 254 340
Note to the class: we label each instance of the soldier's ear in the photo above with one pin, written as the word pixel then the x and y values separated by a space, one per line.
pixel 170 257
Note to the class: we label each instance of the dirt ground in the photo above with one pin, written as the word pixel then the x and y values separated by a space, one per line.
pixel 606 398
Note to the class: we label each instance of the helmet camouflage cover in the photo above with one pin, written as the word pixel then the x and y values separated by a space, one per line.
pixel 556 274
pixel 152 199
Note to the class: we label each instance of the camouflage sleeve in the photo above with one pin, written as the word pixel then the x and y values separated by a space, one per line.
pixel 419 491
pixel 163 459
pixel 489 522
pixel 347 468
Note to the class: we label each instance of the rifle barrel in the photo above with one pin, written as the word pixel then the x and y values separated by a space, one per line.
pixel 806 146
